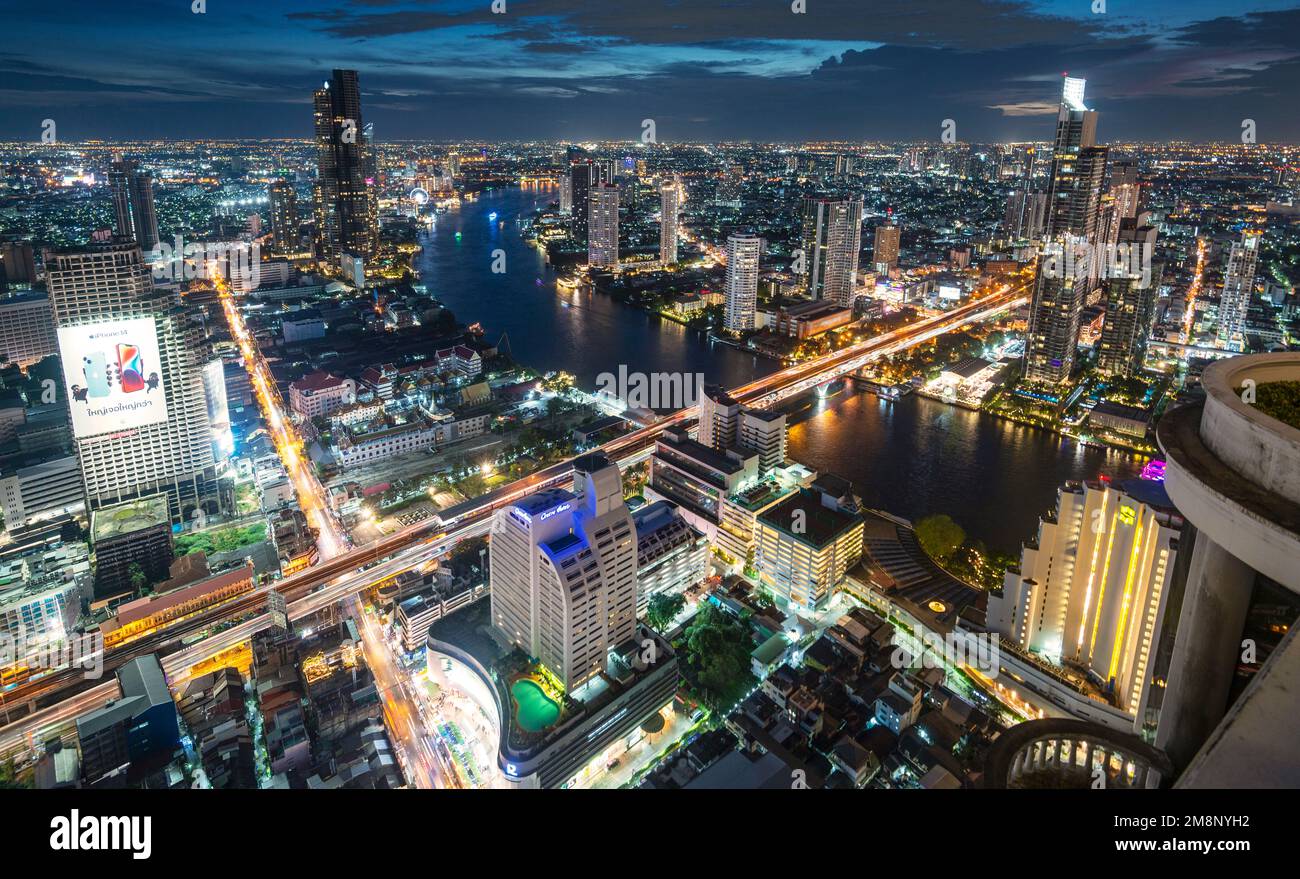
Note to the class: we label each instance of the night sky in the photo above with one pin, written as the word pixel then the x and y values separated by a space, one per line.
pixel 702 69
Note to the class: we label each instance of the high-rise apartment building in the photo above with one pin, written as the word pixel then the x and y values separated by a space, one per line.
pixel 133 208
pixel 672 556
pixel 669 202
pixel 563 573
pixel 1238 286
pixel 602 222
pixel 1130 298
pixel 284 215
pixel 1026 214
pixel 584 177
pixel 725 424
pixel 26 328
pixel 566 194
pixel 100 293
pixel 742 281
pixel 1126 188
pixel 1073 205
pixel 832 237
pixel 884 255
pixel 347 219
pixel 17 264
pixel 1091 590
pixel 764 431
pixel 719 416
pixel 804 546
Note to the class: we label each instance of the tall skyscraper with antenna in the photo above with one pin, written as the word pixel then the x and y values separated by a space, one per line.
pixel 1067 273
pixel 347 218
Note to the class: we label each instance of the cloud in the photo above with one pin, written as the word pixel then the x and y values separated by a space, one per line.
pixel 1027 108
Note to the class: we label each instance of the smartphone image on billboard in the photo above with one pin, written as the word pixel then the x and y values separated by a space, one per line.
pixel 95 369
pixel 131 367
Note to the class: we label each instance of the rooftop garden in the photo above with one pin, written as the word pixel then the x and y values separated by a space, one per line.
pixel 1280 400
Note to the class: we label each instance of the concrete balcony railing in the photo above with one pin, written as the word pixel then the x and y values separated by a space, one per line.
pixel 1256 446
pixel 1059 753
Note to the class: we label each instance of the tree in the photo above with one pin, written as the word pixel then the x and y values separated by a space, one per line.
pixel 9 778
pixel 138 578
pixel 939 536
pixel 718 647
pixel 634 480
pixel 663 609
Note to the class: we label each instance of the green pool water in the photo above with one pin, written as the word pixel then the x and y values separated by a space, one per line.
pixel 533 707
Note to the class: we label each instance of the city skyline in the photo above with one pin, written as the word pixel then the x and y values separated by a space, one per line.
pixel 542 70
pixel 614 459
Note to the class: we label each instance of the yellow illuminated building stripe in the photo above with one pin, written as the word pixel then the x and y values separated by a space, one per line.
pixel 1124 608
pixel 1092 574
pixel 1101 589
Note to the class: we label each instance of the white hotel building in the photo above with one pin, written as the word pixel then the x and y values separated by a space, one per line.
pixel 563 573
pixel 1090 592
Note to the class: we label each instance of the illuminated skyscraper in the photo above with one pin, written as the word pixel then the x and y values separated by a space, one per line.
pixel 668 204
pixel 99 294
pixel 602 220
pixel 1238 286
pixel 133 208
pixel 1090 592
pixel 1130 295
pixel 742 281
pixel 1073 205
pixel 1126 188
pixel 832 237
pixel 730 187
pixel 719 418
pixel 885 251
pixel 584 176
pixel 563 573
pixel 566 193
pixel 347 218
pixel 284 215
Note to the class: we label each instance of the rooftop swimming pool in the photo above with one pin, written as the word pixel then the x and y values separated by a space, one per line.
pixel 534 709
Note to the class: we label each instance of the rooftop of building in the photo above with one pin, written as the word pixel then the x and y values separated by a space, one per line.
pixel 143 686
pixel 835 486
pixel 128 517
pixel 697 451
pixel 894 562
pixel 813 309
pixel 821 525
pixel 1119 410
pixel 540 502
pixel 719 396
pixel 590 463
pixel 967 367
pixel 768 415
pixel 317 381
pixel 653 517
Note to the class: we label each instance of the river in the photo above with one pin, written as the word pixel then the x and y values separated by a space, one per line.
pixel 912 457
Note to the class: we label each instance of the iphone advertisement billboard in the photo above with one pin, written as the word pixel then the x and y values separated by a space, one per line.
pixel 112 376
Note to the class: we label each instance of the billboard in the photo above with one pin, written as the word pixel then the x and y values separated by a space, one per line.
pixel 112 375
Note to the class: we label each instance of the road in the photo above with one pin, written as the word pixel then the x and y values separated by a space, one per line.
pixel 351 571
pixel 402 716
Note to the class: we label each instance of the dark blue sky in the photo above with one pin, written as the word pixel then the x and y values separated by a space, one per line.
pixel 703 69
